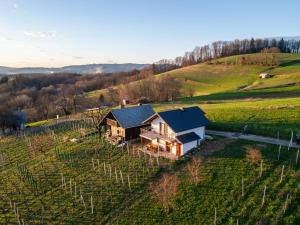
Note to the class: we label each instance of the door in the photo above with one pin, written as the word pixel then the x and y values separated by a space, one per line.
pixel 168 146
pixel 178 149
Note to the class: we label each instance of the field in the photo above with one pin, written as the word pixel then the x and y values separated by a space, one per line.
pixel 209 79
pixel 48 180
pixel 232 187
pixel 263 116
pixel 234 96
pixel 45 179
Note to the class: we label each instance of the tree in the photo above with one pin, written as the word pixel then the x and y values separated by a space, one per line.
pixel 96 116
pixel 101 99
pixel 281 45
pixel 190 91
pixel 165 190
pixel 194 169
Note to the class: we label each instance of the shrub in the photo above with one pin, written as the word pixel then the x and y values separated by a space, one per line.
pixel 165 190
pixel 194 169
pixel 253 155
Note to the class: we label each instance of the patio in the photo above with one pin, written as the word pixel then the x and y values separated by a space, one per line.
pixel 150 150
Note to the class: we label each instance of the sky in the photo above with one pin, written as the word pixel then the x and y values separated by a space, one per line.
pixel 72 32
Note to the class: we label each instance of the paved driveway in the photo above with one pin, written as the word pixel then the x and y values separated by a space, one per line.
pixel 252 137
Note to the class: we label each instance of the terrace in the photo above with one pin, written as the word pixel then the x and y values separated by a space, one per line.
pixel 151 134
pixel 153 151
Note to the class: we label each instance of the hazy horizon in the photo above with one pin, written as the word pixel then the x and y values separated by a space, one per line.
pixel 63 33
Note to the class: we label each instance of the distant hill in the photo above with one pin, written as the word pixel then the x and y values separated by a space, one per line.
pixel 222 75
pixel 81 69
pixel 206 78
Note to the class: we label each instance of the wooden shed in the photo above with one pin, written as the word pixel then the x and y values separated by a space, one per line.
pixel 125 123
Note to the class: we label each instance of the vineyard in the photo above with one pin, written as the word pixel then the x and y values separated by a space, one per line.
pixel 233 190
pixel 47 179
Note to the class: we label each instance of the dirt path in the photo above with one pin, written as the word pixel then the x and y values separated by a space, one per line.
pixel 252 137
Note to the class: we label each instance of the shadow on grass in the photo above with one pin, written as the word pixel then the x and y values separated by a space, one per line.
pixel 291 63
pixel 267 93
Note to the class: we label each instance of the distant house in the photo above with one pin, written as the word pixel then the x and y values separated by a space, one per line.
pixel 265 75
pixel 175 131
pixel 125 123
pixel 20 119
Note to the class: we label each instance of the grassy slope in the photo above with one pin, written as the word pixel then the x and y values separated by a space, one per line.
pixel 48 201
pixel 117 203
pixel 263 116
pixel 221 189
pixel 217 78
pixel 233 95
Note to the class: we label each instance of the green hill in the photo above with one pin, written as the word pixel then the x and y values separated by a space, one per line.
pixel 222 75
pixel 46 179
pixel 234 95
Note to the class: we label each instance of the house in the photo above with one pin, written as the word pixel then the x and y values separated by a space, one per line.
pixel 175 131
pixel 265 75
pixel 125 123
pixel 20 119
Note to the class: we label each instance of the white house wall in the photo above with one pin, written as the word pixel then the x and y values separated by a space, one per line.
pixel 188 146
pixel 155 127
pixel 200 131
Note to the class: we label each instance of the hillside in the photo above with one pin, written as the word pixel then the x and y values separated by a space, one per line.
pixel 219 76
pixel 234 96
pixel 46 179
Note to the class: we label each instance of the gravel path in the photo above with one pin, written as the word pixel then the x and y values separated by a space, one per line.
pixel 252 137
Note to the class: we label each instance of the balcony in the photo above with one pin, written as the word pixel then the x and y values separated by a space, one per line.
pixel 151 134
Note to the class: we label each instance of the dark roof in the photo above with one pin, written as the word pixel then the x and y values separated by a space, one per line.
pixel 132 116
pixel 184 119
pixel 188 137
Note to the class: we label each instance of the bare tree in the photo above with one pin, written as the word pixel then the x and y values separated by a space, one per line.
pixel 194 169
pixel 165 190
pixel 96 116
pixel 253 155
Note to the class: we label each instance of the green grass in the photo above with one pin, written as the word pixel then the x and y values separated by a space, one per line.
pixel 263 116
pixel 38 123
pixel 32 180
pixel 234 96
pixel 208 78
pixel 31 177
pixel 221 189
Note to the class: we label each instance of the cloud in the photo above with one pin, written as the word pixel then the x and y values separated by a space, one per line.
pixel 41 34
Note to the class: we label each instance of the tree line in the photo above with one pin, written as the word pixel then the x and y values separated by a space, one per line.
pixel 237 47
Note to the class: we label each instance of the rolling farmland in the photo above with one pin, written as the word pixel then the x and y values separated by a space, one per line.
pixel 48 180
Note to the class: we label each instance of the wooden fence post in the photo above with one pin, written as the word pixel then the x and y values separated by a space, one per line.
pixel 263 199
pixel 281 176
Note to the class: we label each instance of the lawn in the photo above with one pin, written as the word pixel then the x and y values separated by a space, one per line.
pixel 263 116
